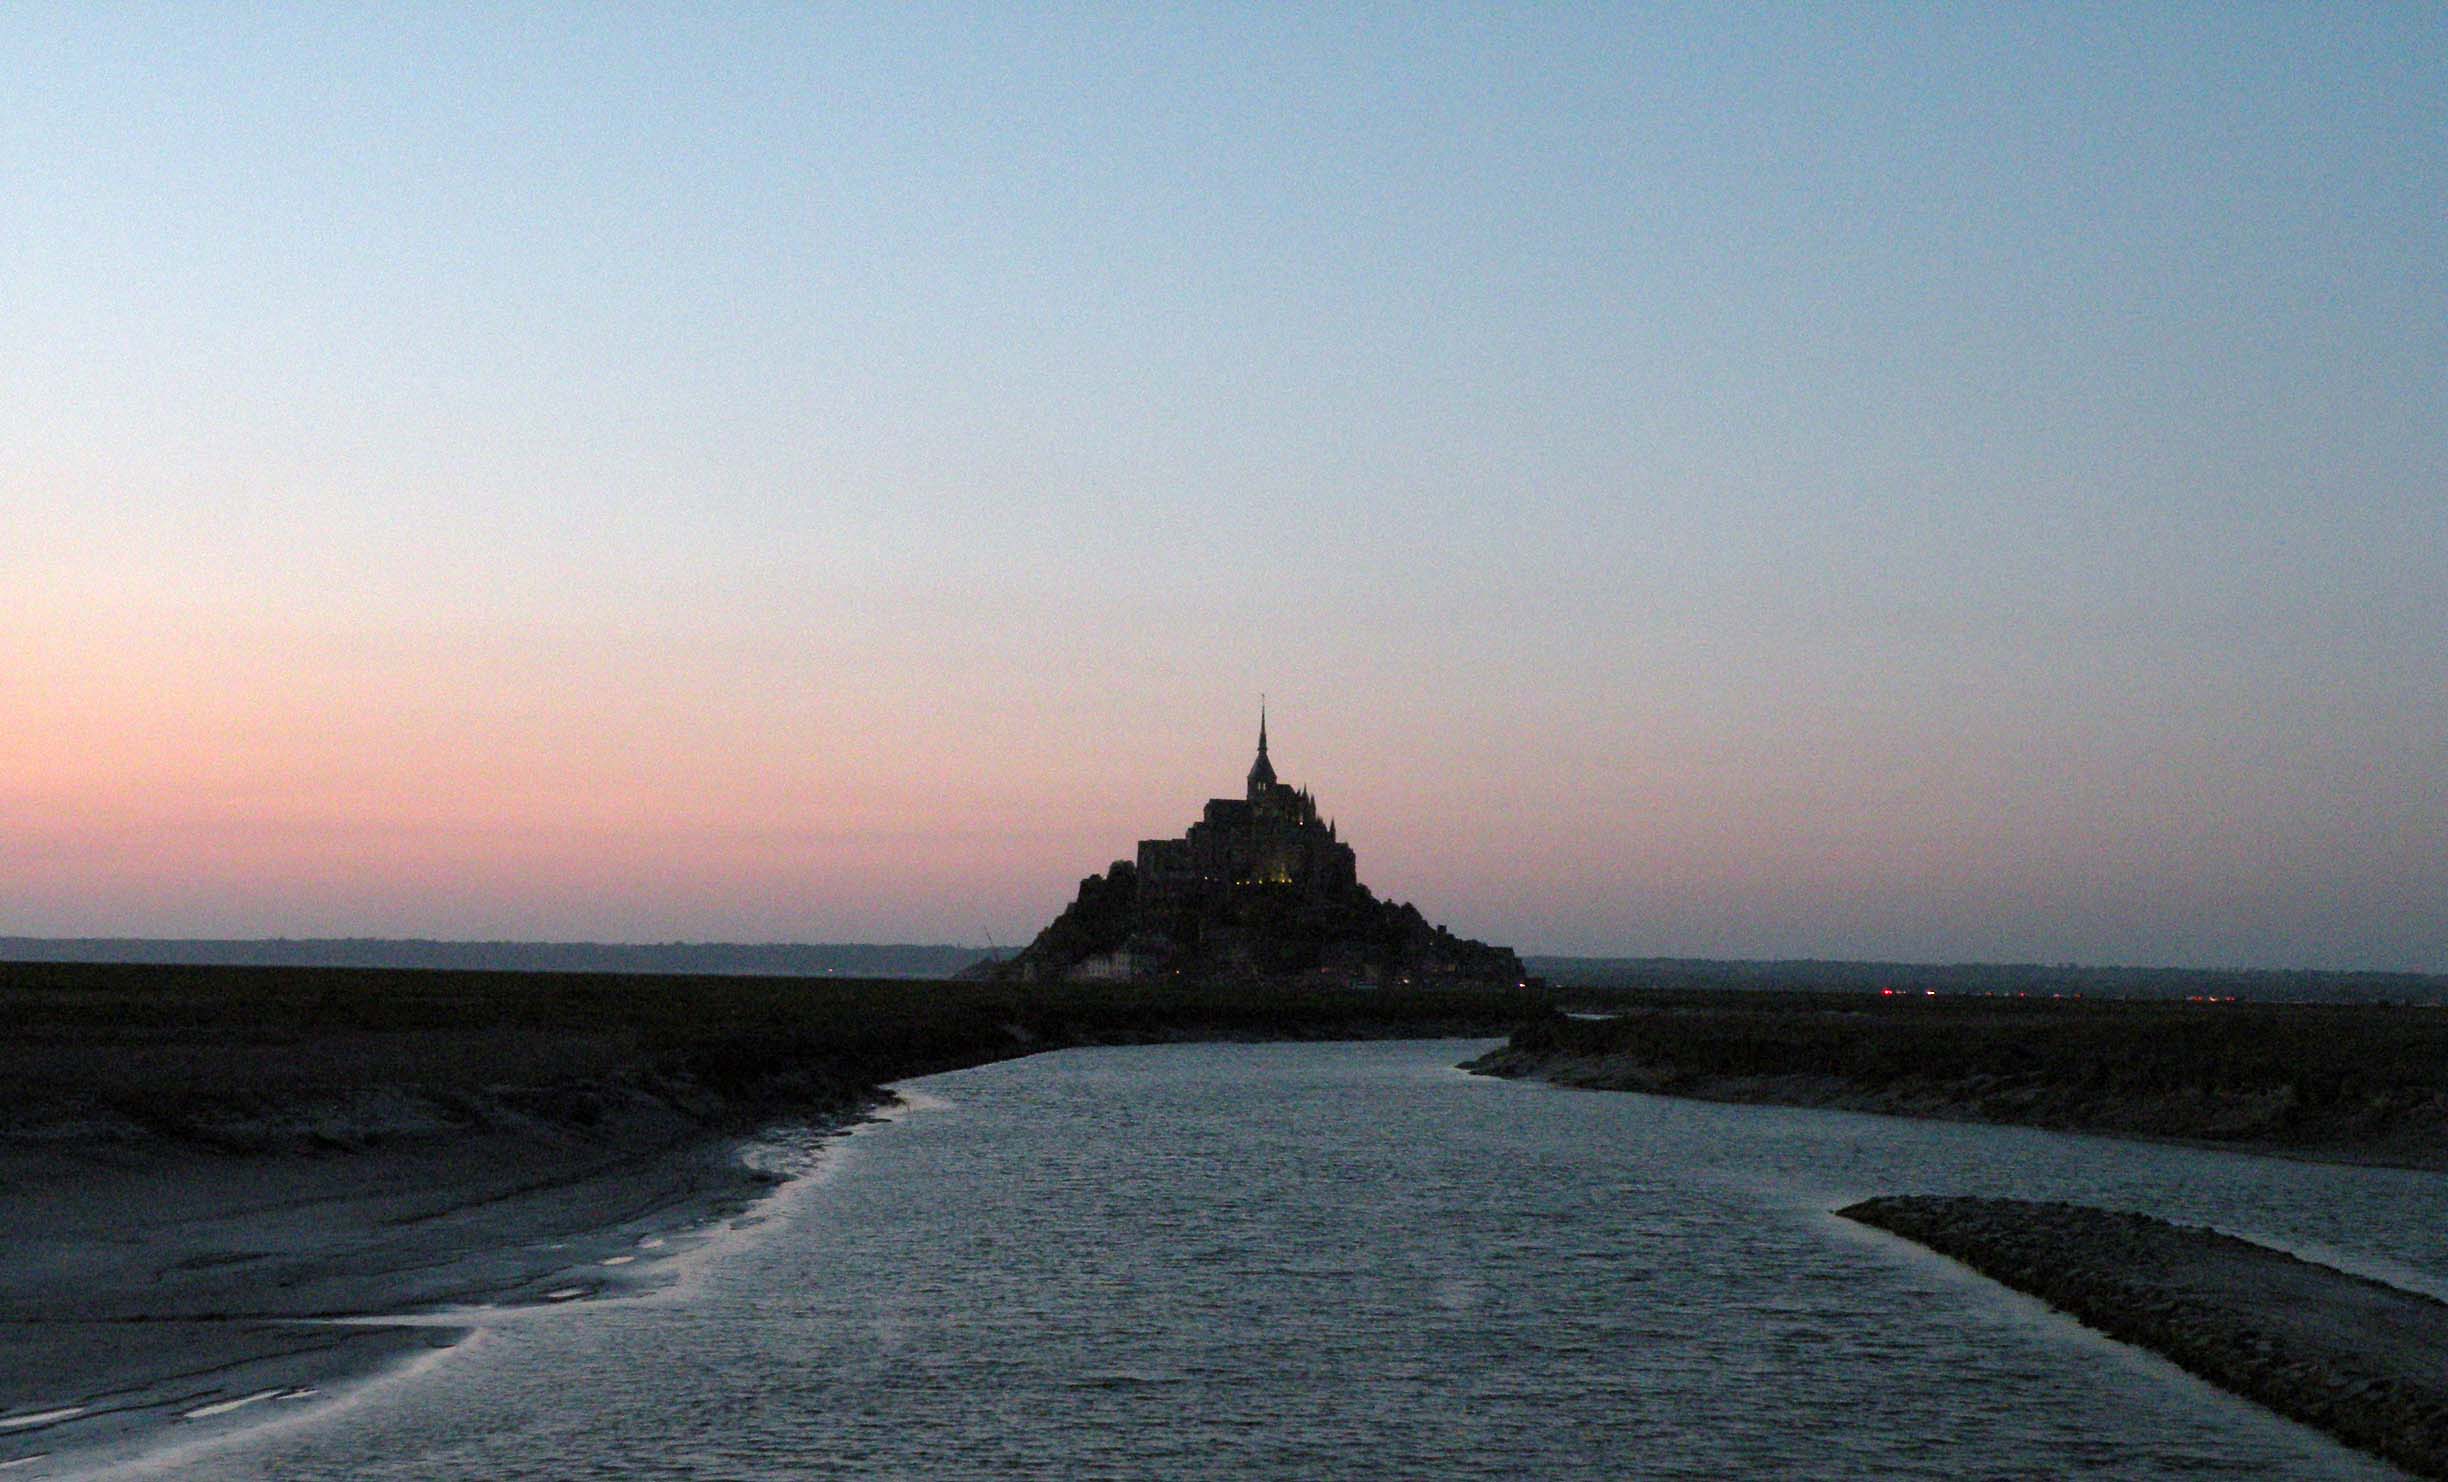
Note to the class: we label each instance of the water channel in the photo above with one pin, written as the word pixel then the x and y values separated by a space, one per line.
pixel 1308 1261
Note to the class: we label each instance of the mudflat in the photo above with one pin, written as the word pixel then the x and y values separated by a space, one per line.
pixel 153 1290
pixel 2362 1360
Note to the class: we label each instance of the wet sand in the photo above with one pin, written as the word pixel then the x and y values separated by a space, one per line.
pixel 153 1292
pixel 2362 1360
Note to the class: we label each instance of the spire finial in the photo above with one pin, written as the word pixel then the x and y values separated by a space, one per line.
pixel 1262 723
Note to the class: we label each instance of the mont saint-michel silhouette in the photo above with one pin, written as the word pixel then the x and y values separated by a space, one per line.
pixel 1262 886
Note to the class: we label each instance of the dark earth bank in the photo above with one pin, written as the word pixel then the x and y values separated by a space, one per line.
pixel 2366 1362
pixel 247 1059
pixel 2363 1083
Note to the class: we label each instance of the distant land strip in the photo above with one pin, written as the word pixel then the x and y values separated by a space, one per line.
pixel 1803 975
pixel 769 959
pixel 2361 1360
pixel 2337 1083
pixel 944 960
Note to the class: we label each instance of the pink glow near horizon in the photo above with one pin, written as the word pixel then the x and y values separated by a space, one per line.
pixel 533 794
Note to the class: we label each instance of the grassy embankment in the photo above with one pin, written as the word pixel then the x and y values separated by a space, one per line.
pixel 2365 1083
pixel 243 1056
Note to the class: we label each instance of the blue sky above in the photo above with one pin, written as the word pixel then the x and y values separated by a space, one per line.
pixel 1914 481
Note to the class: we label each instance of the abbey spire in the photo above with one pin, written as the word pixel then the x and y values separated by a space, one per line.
pixel 1262 771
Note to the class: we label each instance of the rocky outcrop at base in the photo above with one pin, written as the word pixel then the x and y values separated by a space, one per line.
pixel 2361 1360
pixel 1118 928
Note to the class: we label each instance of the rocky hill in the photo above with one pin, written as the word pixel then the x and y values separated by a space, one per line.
pixel 1115 929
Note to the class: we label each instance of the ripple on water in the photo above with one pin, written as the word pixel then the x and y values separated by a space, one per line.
pixel 1327 1261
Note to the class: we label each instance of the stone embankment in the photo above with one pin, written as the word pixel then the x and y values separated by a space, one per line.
pixel 2361 1360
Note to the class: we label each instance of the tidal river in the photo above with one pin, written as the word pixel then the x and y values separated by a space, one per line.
pixel 1306 1261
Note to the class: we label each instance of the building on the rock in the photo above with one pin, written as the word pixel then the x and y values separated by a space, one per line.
pixel 1272 836
pixel 1260 887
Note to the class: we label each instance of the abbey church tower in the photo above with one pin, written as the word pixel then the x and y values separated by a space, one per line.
pixel 1270 836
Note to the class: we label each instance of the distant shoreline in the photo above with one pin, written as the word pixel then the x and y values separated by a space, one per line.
pixel 947 960
pixel 769 959
pixel 1991 979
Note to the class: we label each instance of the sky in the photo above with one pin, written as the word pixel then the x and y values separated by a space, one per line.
pixel 1960 483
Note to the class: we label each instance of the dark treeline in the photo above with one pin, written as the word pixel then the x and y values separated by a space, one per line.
pixel 175 1047
pixel 2267 985
pixel 2329 1080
